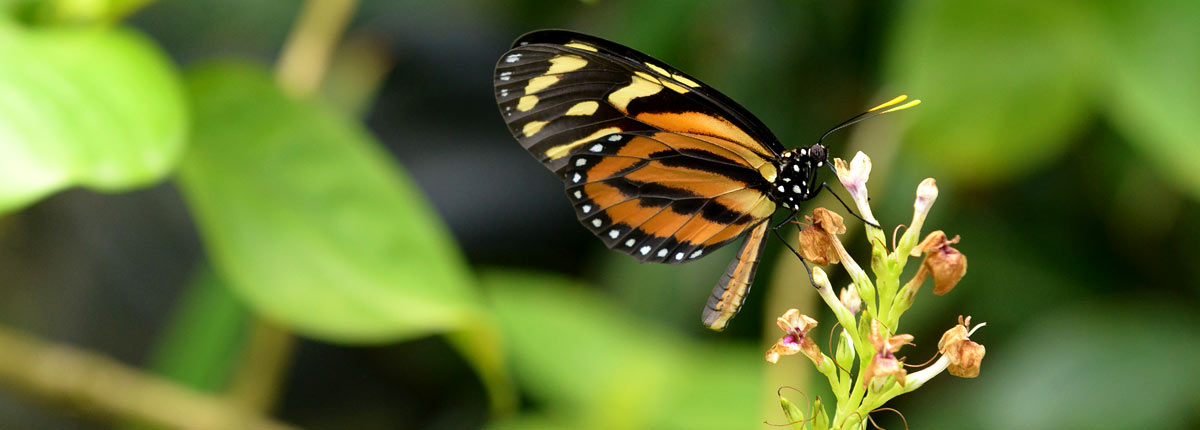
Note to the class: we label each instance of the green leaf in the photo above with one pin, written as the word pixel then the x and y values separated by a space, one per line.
pixel 100 107
pixel 1153 65
pixel 592 363
pixel 1004 84
pixel 310 221
pixel 49 12
pixel 199 347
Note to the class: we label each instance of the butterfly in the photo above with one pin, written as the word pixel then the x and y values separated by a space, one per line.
pixel 656 164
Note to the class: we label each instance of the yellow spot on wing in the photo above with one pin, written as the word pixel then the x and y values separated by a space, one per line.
pixel 540 83
pixel 532 127
pixel 583 108
pixel 578 45
pixel 562 150
pixel 565 63
pixel 674 86
pixel 640 87
pixel 685 81
pixel 526 103
pixel 660 70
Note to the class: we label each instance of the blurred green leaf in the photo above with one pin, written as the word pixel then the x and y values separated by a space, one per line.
pixel 1153 68
pixel 1103 365
pixel 99 107
pixel 73 11
pixel 310 221
pixel 200 345
pixel 594 364
pixel 1004 84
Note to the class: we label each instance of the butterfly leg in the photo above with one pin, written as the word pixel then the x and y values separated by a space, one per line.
pixel 839 199
pixel 775 229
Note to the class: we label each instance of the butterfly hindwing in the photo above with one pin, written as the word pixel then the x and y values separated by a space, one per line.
pixel 664 197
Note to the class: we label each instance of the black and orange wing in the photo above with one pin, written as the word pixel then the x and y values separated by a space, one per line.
pixel 657 164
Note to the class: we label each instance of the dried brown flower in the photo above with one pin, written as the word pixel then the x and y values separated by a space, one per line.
pixel 884 362
pixel 946 264
pixel 795 326
pixel 816 240
pixel 964 354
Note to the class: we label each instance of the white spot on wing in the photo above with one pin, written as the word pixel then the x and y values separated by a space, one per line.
pixel 580 162
pixel 504 76
pixel 796 189
pixel 614 138
pixel 597 148
pixel 662 252
pixel 504 92
pixel 596 222
pixel 512 58
pixel 614 233
pixel 696 254
pixel 781 188
pixel 577 178
pixel 678 256
pixel 586 209
pixel 645 250
pixel 796 167
pixel 629 243
pixel 578 194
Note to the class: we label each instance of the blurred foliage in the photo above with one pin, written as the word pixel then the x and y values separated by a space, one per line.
pixel 308 220
pixel 67 118
pixel 1062 134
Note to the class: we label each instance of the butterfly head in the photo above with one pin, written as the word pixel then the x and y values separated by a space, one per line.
pixel 797 179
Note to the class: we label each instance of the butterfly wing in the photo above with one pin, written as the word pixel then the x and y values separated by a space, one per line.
pixel 657 164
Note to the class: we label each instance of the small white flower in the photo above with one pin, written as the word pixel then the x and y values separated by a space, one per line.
pixel 854 178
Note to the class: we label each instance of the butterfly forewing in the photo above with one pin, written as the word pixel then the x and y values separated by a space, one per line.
pixel 657 164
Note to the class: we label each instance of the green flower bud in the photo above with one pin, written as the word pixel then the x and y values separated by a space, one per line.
pixel 794 415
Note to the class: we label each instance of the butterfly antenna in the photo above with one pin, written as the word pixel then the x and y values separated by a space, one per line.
pixel 873 112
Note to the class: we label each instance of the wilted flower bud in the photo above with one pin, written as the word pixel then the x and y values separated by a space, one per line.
pixel 945 263
pixel 816 240
pixel 850 299
pixel 964 354
pixel 795 327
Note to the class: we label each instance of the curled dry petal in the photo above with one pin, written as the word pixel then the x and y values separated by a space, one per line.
pixel 944 262
pixel 884 343
pixel 964 354
pixel 817 240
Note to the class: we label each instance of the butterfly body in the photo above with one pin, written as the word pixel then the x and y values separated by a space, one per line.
pixel 656 164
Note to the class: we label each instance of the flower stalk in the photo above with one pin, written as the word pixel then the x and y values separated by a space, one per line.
pixel 868 368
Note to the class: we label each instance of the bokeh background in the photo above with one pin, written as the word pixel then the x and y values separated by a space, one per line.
pixel 311 213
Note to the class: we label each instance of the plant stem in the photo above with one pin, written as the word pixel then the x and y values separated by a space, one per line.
pixel 102 386
pixel 305 56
